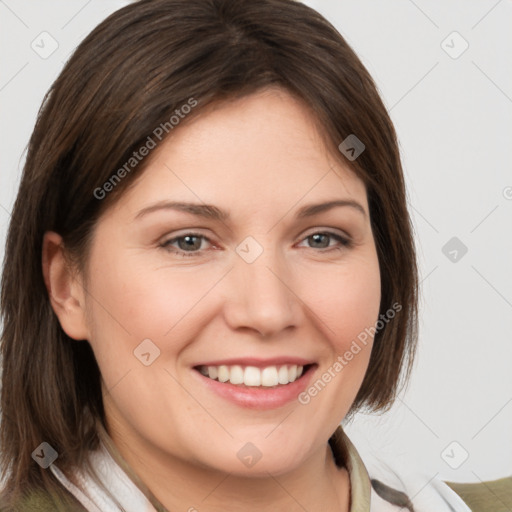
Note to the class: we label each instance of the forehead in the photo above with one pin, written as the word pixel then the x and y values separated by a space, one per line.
pixel 252 153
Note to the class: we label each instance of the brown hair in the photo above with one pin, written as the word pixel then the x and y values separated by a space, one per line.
pixel 124 80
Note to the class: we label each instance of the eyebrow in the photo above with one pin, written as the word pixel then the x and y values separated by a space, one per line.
pixel 208 211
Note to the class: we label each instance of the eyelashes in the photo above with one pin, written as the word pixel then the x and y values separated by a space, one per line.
pixel 195 241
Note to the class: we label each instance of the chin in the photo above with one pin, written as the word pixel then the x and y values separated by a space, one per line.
pixel 253 459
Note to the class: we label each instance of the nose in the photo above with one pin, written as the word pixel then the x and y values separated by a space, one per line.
pixel 261 296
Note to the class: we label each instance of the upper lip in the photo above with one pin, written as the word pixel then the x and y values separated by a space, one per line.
pixel 259 363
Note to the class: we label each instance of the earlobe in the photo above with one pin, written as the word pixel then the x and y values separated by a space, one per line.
pixel 64 288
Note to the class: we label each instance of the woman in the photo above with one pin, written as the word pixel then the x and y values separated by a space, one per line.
pixel 209 265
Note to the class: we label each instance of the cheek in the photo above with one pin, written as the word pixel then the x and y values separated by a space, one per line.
pixel 131 301
pixel 347 301
pixel 138 301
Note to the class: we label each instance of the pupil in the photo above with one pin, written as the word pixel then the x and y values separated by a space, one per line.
pixel 188 242
pixel 317 236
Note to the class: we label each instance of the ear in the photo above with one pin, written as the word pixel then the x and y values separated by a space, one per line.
pixel 65 290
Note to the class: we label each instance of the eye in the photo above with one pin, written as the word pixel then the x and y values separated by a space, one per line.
pixel 191 244
pixel 322 239
pixel 188 244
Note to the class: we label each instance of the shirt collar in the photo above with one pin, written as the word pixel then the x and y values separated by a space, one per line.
pixel 345 453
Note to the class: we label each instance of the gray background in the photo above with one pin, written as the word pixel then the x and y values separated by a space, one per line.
pixel 453 113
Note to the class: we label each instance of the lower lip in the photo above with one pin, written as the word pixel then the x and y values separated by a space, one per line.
pixel 260 398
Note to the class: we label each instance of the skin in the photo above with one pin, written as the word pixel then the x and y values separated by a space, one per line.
pixel 261 159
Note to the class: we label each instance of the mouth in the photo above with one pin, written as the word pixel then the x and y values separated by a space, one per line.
pixel 253 376
pixel 257 384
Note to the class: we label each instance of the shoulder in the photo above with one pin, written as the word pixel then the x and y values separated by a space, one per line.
pixel 380 487
pixel 410 489
pixel 400 487
pixel 493 495
pixel 39 500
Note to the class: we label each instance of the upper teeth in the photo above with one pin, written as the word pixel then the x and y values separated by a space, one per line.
pixel 253 376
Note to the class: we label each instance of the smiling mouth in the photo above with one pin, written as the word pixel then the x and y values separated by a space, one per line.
pixel 252 376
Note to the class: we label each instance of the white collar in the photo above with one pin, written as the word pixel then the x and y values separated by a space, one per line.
pixel 130 498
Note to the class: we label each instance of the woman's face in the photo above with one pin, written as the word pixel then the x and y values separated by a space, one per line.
pixel 250 280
